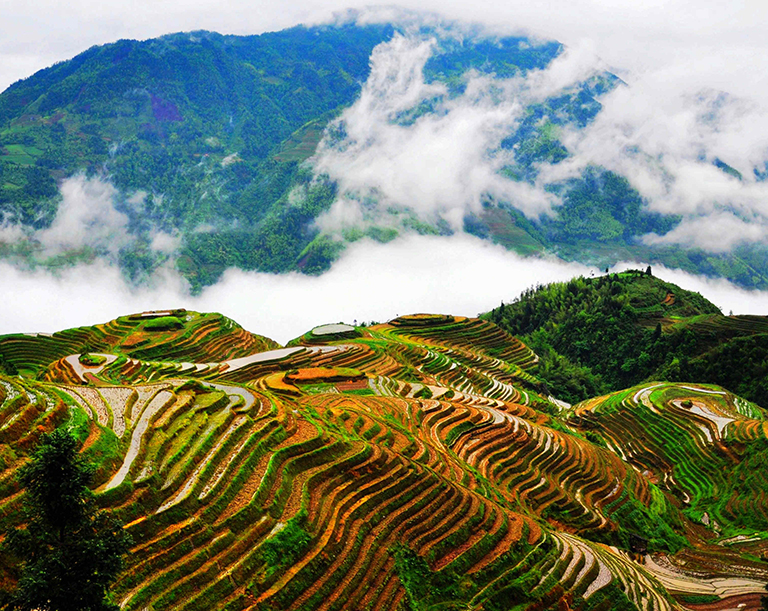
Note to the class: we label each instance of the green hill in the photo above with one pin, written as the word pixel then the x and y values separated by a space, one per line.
pixel 418 464
pixel 211 131
pixel 210 128
pixel 608 332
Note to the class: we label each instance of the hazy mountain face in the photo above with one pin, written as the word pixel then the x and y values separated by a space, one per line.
pixel 272 153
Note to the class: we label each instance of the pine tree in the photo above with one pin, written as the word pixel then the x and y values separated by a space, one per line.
pixel 69 551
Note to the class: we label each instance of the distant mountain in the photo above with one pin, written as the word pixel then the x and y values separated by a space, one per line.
pixel 418 464
pixel 204 136
pixel 609 332
pixel 204 125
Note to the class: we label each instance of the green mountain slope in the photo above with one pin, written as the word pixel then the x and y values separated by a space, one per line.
pixel 205 137
pixel 609 332
pixel 209 131
pixel 209 128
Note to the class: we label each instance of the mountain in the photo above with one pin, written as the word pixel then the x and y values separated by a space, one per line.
pixel 209 128
pixel 203 142
pixel 608 332
pixel 415 464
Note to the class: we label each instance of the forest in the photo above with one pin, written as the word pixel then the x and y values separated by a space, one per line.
pixel 600 334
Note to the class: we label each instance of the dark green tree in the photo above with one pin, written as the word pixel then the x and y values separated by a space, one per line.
pixel 69 551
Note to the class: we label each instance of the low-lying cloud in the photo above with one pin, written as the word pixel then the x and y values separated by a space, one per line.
pixel 371 282
pixel 92 215
pixel 690 147
pixel 720 231
pixel 697 153
pixel 386 152
pixel 86 217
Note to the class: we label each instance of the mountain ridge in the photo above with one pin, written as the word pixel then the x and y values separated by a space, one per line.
pixel 648 329
pixel 204 137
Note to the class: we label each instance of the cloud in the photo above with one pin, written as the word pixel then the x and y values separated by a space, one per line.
pixel 460 276
pixel 630 36
pixel 82 295
pixel 688 148
pixel 11 233
pixel 86 217
pixel 717 233
pixel 407 143
pixel 92 215
pixel 667 131
pixel 165 242
pixel 370 282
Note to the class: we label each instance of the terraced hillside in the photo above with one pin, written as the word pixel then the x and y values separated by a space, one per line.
pixel 176 335
pixel 417 464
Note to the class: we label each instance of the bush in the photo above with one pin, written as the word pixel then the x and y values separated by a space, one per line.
pixel 164 323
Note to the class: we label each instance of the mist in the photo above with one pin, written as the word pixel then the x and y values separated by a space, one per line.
pixel 695 92
pixel 445 162
pixel 668 128
pixel 371 282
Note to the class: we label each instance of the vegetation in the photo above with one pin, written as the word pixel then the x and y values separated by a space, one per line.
pixel 70 553
pixel 92 360
pixel 206 137
pixel 418 464
pixel 648 328
pixel 201 127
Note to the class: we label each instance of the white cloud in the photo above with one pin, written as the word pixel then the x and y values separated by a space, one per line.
pixel 11 233
pixel 86 216
pixel 372 281
pixel 442 162
pixel 716 233
pixel 666 141
pixel 165 242
pixel 664 130
pixel 460 276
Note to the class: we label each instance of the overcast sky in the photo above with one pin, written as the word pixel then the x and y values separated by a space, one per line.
pixel 678 57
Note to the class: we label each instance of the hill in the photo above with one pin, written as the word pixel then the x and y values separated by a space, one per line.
pixel 204 139
pixel 208 129
pixel 612 331
pixel 410 465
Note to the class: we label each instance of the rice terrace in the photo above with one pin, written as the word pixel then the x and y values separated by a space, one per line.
pixel 417 464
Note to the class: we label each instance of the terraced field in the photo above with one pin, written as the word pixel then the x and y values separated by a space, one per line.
pixel 417 464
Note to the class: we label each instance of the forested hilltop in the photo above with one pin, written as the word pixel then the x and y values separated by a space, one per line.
pixel 205 139
pixel 604 333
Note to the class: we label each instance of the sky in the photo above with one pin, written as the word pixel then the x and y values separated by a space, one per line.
pixel 632 36
pixel 697 76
